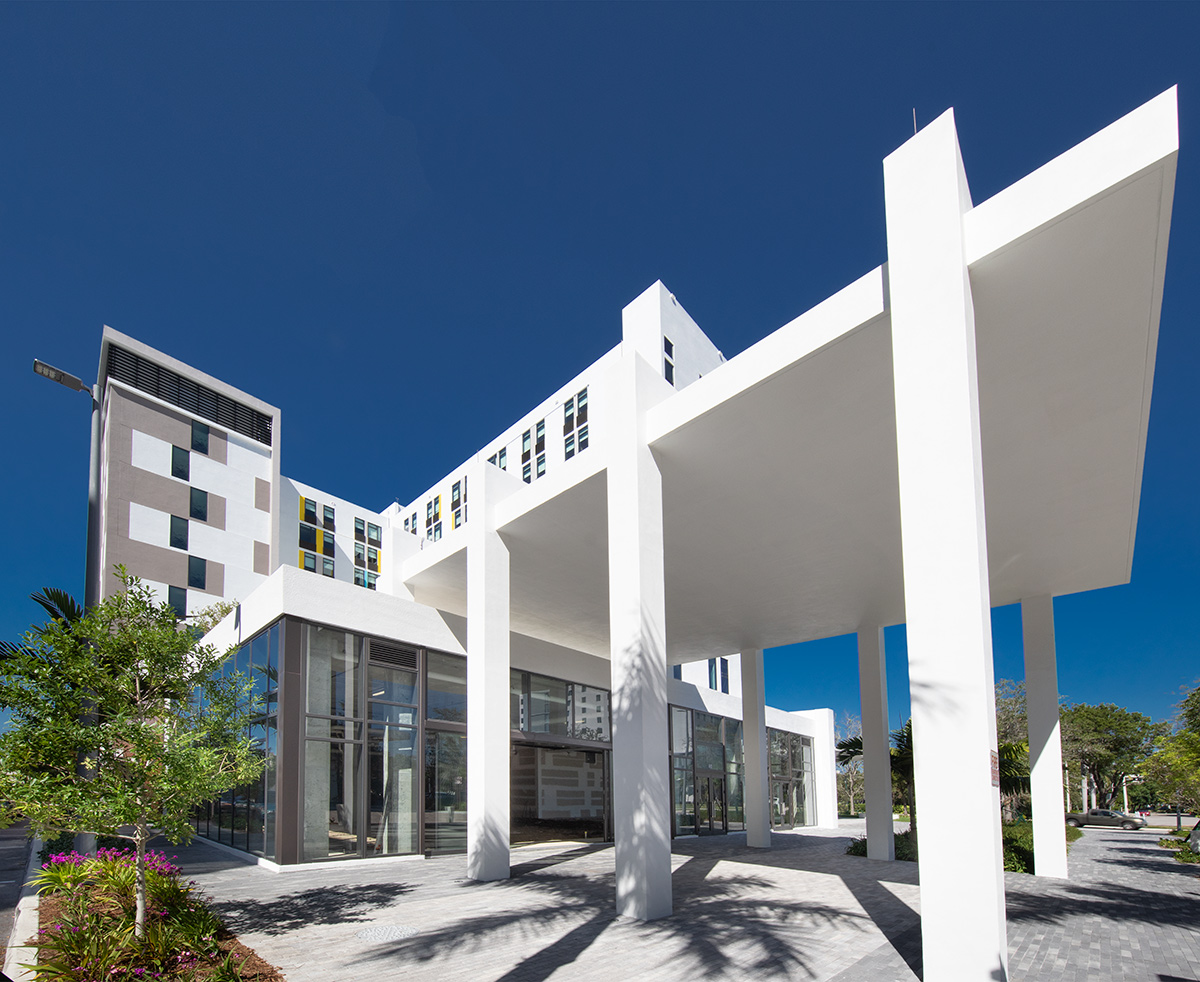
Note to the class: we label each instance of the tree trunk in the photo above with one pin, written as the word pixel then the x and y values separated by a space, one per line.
pixel 139 922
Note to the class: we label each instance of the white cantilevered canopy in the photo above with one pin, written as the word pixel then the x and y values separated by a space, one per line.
pixel 779 477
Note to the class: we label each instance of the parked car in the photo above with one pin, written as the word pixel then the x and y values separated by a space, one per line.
pixel 1105 817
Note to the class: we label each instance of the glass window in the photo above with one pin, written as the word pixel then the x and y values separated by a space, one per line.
pixel 526 444
pixel 360 577
pixel 327 566
pixel 360 530
pixel 569 447
pixel 541 465
pixel 328 545
pixel 569 415
pixel 503 458
pixel 668 348
pixel 724 674
pixel 590 713
pixel 547 705
pixel 372 579
pixel 733 743
pixel 331 799
pixel 457 517
pixel 712 673
pixel 681 730
pixel 179 532
pixel 540 443
pixel 677 672
pixel 373 559
pixel 684 797
pixel 177 598
pixel 392 684
pixel 437 531
pixel 197 572
pixel 428 513
pixel 310 561
pixel 374 535
pixel 360 554
pixel 581 408
pixel 271 695
pixel 516 700
pixel 329 516
pixel 583 438
pixel 199 505
pixel 446 687
pixel 310 510
pixel 414 523
pixel 332 672
pixel 526 473
pixel 269 789
pixel 445 793
pixel 455 495
pixel 181 464
pixel 437 507
pixel 391 790
pixel 200 437
pixel 668 371
pixel 710 745
pixel 308 538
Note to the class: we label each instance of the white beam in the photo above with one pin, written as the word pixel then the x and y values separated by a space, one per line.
pixel 945 558
pixel 756 792
pixel 637 631
pixel 1045 743
pixel 876 756
pixel 488 833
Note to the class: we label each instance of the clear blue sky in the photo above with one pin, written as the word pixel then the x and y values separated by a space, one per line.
pixel 405 224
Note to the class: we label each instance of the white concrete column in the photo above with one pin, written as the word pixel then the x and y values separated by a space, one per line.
pixel 757 790
pixel 1045 743
pixel 876 739
pixel 488 764
pixel 825 767
pixel 637 625
pixel 944 541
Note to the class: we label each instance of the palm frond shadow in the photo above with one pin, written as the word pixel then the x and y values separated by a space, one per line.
pixel 714 917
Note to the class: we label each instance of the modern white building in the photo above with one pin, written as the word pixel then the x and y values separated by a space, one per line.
pixel 960 428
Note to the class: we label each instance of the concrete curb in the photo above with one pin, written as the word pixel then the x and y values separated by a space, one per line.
pixel 25 922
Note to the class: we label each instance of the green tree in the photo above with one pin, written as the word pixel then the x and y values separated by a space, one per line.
pixel 126 688
pixel 1108 743
pixel 1175 764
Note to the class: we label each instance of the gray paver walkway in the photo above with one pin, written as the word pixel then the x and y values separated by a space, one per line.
pixel 802 910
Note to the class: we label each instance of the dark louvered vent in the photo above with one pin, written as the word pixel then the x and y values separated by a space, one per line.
pixel 198 400
pixel 391 653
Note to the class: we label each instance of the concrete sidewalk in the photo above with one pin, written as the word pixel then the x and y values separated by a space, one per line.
pixel 802 910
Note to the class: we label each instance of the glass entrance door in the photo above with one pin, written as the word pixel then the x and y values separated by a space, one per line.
pixel 781 805
pixel 710 804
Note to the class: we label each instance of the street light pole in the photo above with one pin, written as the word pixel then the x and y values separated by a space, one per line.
pixel 85 842
pixel 91 585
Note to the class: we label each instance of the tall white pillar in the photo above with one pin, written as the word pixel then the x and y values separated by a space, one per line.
pixel 876 740
pixel 637 626
pixel 944 542
pixel 1045 743
pixel 756 793
pixel 488 833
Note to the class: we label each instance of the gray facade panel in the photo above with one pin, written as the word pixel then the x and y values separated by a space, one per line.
pixel 262 494
pixel 262 558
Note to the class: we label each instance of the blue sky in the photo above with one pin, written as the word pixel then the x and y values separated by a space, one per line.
pixel 406 224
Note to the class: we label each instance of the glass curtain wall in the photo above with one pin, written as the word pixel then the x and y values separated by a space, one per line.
pixel 446 755
pixel 550 707
pixel 245 816
pixel 793 799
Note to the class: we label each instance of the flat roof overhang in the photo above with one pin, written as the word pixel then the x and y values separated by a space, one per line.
pixel 780 498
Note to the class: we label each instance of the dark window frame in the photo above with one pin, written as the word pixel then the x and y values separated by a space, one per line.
pixel 179 533
pixel 200 434
pixel 198 505
pixel 181 464
pixel 197 572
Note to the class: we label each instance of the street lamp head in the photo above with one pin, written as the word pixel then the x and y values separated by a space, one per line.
pixel 59 376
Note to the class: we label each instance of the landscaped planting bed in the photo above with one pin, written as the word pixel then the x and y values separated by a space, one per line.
pixel 87 926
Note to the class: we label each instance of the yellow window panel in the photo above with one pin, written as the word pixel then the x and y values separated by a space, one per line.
pixel 320 541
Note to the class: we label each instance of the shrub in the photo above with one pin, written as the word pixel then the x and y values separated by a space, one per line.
pixel 94 937
pixel 1185 855
pixel 906 848
pixel 1172 843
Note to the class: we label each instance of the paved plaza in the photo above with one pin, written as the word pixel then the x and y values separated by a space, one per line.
pixel 802 910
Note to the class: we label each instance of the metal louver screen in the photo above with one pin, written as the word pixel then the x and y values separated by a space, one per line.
pixel 198 400
pixel 391 653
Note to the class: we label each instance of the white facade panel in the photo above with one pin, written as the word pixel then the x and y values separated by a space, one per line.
pixel 151 454
pixel 149 525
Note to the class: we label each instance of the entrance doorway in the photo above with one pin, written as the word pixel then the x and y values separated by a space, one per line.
pixel 782 816
pixel 710 805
